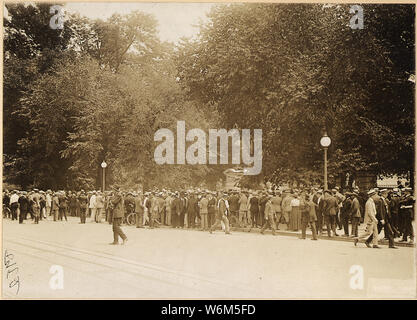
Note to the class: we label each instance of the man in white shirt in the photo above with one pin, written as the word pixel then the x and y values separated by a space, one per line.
pixel 370 221
pixel 93 206
pixel 48 200
pixel 14 204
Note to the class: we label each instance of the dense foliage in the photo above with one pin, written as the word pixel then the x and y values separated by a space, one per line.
pixel 99 90
pixel 297 71
pixel 102 97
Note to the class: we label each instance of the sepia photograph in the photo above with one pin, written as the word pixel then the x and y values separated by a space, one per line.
pixel 208 150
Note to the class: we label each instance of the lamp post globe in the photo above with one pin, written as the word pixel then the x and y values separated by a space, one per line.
pixel 103 164
pixel 325 141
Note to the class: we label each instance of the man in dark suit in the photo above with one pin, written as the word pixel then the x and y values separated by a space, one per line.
pixel 83 203
pixel 345 212
pixel 182 209
pixel 394 206
pixel 175 210
pixel 72 200
pixel 407 213
pixel 254 210
pixel 378 205
pixel 318 200
pixel 24 206
pixel 63 205
pixel 388 230
pixel 129 203
pixel 118 213
pixel 6 204
pixel 192 210
pixel 355 213
pixel 262 203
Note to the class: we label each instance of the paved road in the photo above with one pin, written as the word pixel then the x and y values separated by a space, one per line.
pixel 172 263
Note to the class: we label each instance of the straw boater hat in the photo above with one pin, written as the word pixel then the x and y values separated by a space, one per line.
pixel 371 192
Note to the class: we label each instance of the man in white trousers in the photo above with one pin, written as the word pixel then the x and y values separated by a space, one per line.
pixel 93 206
pixel 371 222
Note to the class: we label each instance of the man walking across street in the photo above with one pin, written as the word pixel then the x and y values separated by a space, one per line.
pixel 308 217
pixel 386 214
pixel 118 214
pixel 380 215
pixel 371 231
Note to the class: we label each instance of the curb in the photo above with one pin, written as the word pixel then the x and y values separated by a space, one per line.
pixel 322 237
pixel 308 236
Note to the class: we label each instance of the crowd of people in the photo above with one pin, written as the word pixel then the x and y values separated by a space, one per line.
pixel 296 210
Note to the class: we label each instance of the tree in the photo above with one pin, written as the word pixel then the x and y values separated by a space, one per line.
pixel 30 49
pixel 121 38
pixel 118 125
pixel 297 70
pixel 67 105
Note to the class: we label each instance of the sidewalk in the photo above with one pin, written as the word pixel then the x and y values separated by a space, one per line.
pixel 283 232
pixel 324 235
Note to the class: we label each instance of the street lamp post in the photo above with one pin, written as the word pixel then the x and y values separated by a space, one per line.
pixel 104 165
pixel 325 142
